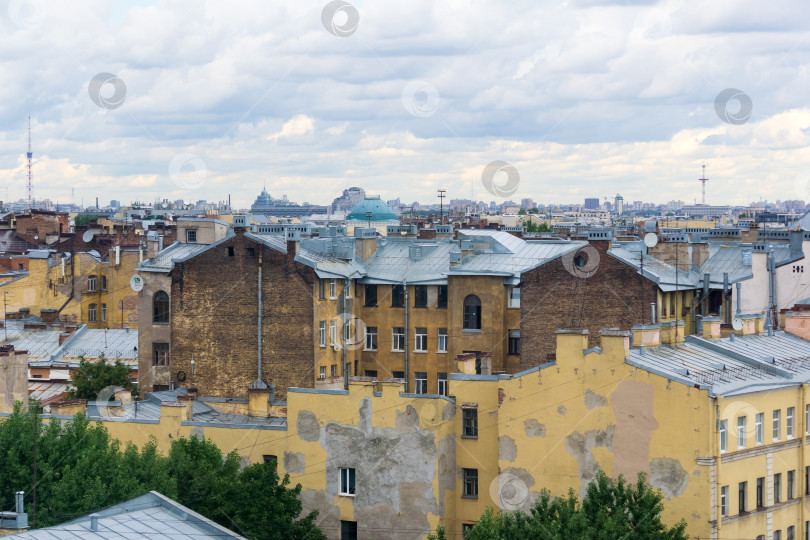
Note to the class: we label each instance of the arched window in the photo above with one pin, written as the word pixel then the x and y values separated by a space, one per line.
pixel 472 313
pixel 160 304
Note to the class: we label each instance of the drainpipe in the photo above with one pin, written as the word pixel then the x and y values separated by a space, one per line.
pixel 726 310
pixel 407 331
pixel 652 313
pixel 345 341
pixel 771 269
pixel 739 298
pixel 260 312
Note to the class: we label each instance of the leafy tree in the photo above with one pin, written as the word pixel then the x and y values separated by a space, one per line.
pixel 84 219
pixel 91 377
pixel 534 211
pixel 522 212
pixel 610 509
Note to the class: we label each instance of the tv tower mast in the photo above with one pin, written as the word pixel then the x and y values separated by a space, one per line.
pixel 703 181
pixel 30 155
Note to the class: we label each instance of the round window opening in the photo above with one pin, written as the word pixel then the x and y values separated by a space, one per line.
pixel 580 260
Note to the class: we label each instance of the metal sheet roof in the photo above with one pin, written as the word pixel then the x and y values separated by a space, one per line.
pixel 665 275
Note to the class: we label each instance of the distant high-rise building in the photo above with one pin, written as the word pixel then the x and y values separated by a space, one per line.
pixel 115 204
pixel 348 199
pixel 619 201
pixel 592 203
pixel 527 203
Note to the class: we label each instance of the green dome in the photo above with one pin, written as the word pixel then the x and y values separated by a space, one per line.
pixel 379 211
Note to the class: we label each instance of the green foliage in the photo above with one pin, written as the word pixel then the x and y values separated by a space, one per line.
pixel 534 211
pixel 522 212
pixel 81 469
pixel 84 219
pixel 534 227
pixel 90 378
pixel 610 509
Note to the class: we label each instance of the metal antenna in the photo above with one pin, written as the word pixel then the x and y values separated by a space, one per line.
pixel 703 181
pixel 441 205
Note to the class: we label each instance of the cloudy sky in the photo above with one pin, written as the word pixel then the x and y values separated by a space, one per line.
pixel 584 98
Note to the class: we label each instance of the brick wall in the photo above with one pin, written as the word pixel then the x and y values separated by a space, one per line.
pixel 214 316
pixel 554 296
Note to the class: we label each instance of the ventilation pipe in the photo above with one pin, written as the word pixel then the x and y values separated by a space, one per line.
pixel 739 298
pixel 407 332
pixel 652 313
pixel 94 522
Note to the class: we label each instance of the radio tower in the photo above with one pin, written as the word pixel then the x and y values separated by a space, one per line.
pixel 703 181
pixel 30 180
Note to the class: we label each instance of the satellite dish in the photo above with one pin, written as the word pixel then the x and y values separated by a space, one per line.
pixel 737 324
pixel 136 282
pixel 650 239
pixel 88 235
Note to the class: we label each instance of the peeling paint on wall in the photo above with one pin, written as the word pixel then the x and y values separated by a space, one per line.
pixel 635 423
pixel 669 476
pixel 294 462
pixel 198 431
pixel 446 468
pixel 593 400
pixel 534 428
pixel 579 446
pixel 514 490
pixel 561 410
pixel 307 426
pixel 507 449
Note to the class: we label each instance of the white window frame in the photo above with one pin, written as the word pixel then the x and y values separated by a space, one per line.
pixel 322 333
pixel 91 312
pixel 760 427
pixel 191 236
pixel 442 340
pixel 420 340
pixel 741 421
pixel 91 283
pixel 323 372
pixel 332 289
pixel 332 332
pixel 441 384
pixel 103 312
pixel 723 436
pixel 103 282
pixel 397 339
pixel 777 424
pixel 724 501
pixel 420 384
pixel 371 335
pixel 348 482
pixel 513 300
pixel 790 422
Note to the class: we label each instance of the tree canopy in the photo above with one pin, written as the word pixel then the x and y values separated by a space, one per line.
pixel 81 469
pixel 91 377
pixel 610 509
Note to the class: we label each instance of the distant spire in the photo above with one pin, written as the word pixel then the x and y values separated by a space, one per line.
pixel 30 180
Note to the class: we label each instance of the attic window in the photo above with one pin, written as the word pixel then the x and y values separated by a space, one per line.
pixel 230 251
pixel 191 236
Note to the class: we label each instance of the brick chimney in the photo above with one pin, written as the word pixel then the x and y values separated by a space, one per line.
pixel 365 242
pixel 648 335
pixel 63 337
pixel 48 316
pixel 711 327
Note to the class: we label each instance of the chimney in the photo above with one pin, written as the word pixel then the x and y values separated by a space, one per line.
pixel 259 402
pixel 614 342
pixel 123 396
pixel 189 401
pixel 48 316
pixel 427 234
pixel 711 327
pixel 569 339
pixel 293 237
pixel 63 337
pixel 672 333
pixel 700 252
pixel 152 248
pixel 365 242
pixel 647 335
pixel 466 363
pixel 94 522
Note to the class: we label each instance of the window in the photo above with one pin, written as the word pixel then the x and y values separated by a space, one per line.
pixel 103 312
pixel 470 423
pixel 514 341
pixel 420 378
pixel 91 313
pixel 791 533
pixel 741 431
pixel 777 535
pixel 442 383
pixel 777 487
pixel 91 283
pixel 397 296
pixel 160 307
pixel 332 332
pixel 807 480
pixel 472 313
pixel 321 295
pixel 442 342
pixel 371 338
pixel 442 300
pixel 250 252
pixel 269 458
pixel 791 484
pixel 514 297
pixel 742 491
pixel 398 338
pixel 20 266
pixel 760 420
pixel 348 530
pixel 322 373
pixel 103 283
pixel 723 441
pixel 760 492
pixel 333 370
pixel 465 530
pixel 160 354
pixel 322 333
pixel 230 251
pixel 398 374
pixel 470 483
pixel 791 413
pixel 347 482
pixel 191 236
pixel 332 289
pixel 777 424
pixel 724 501
pixel 371 295
pixel 371 373
pixel 807 420
pixel 420 296
pixel 347 331
pixel 420 341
